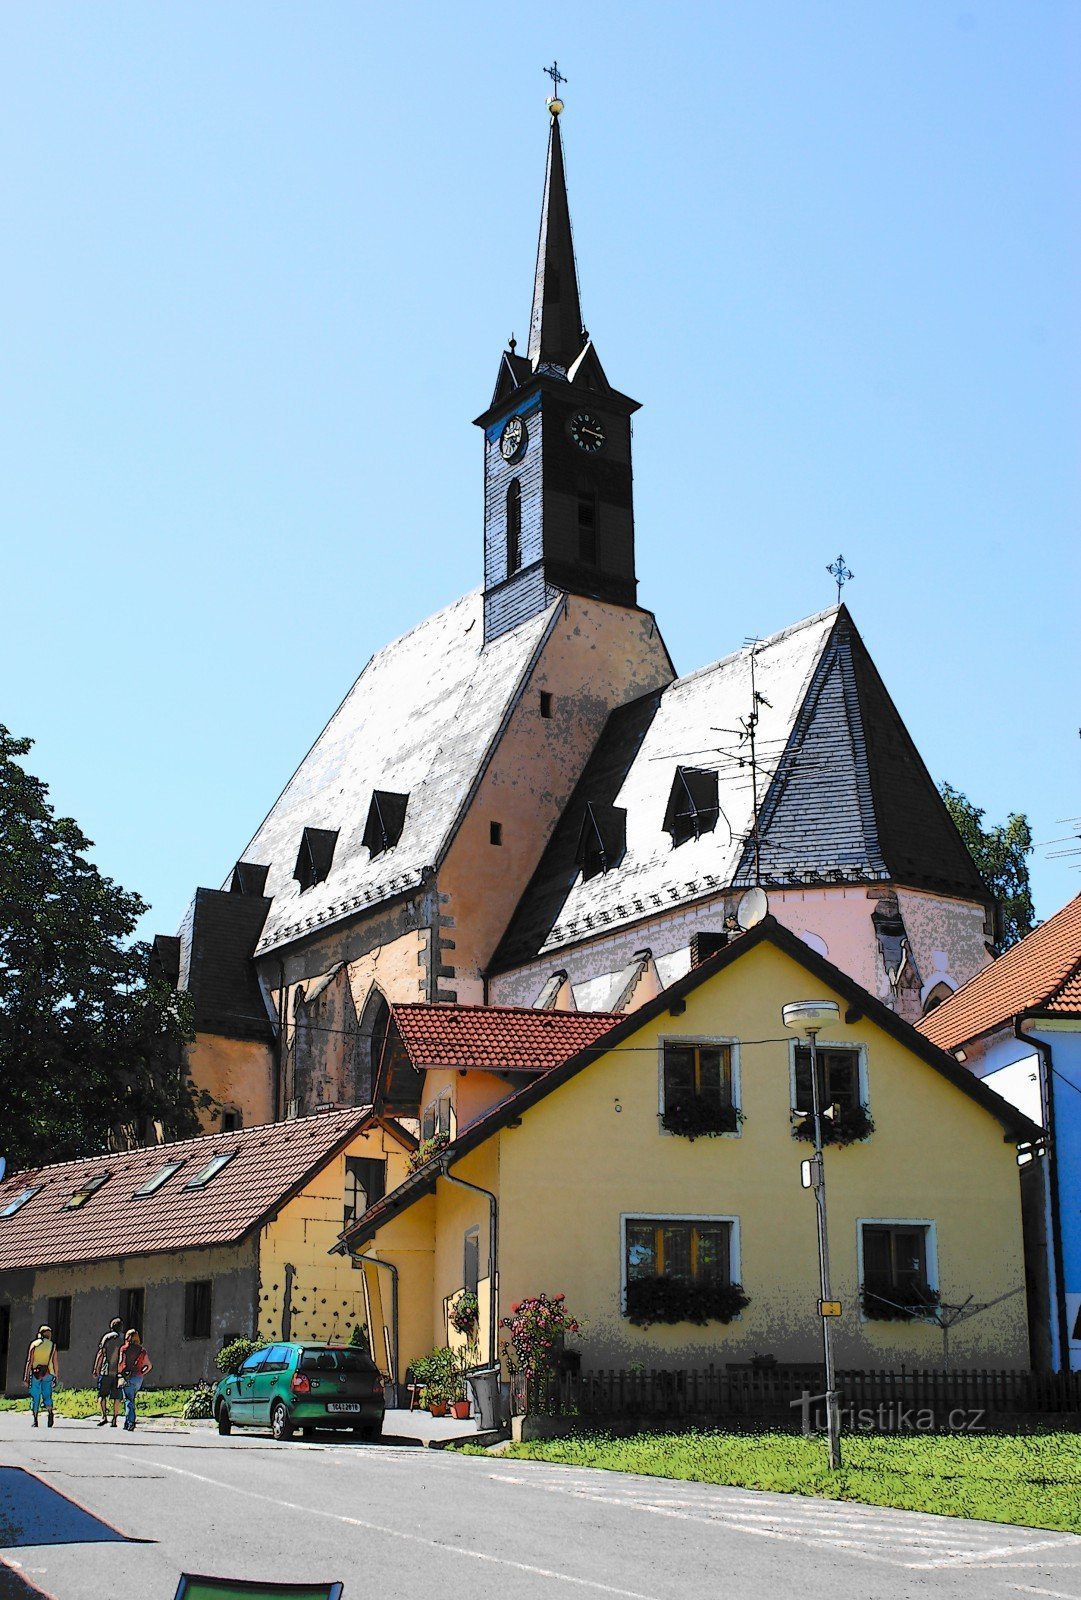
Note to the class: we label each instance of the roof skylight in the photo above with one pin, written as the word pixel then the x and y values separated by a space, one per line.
pixel 156 1179
pixel 86 1189
pixel 200 1179
pixel 19 1201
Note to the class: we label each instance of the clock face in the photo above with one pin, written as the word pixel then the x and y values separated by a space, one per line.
pixel 512 440
pixel 587 432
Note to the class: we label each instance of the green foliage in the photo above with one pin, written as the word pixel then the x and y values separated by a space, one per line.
pixel 851 1124
pixel 441 1374
pixel 83 1403
pixel 233 1355
pixel 359 1336
pixel 1030 1479
pixel 1001 855
pixel 695 1118
pixel 662 1299
pixel 90 1048
pixel 465 1313
pixel 538 1326
pixel 428 1149
pixel 200 1403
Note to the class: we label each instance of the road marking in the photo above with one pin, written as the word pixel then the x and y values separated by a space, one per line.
pixel 1057 1593
pixel 412 1538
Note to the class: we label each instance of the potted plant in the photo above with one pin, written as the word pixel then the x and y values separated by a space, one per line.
pixel 438 1372
pixel 464 1314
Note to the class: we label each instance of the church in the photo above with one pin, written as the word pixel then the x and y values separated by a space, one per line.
pixel 522 803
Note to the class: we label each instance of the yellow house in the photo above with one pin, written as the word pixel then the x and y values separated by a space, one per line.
pixel 580 1178
pixel 193 1243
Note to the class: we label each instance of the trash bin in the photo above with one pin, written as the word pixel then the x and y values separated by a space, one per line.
pixel 484 1383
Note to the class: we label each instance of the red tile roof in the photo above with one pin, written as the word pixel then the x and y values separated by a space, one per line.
pixel 497 1038
pixel 268 1164
pixel 1041 974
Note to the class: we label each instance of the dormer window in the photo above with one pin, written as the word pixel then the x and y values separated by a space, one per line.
pixel 386 819
pixel 692 805
pixel 248 878
pixel 514 526
pixel 86 1189
pixel 602 840
pixel 315 855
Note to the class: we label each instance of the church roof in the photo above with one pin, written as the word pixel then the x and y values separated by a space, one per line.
pixel 555 329
pixel 843 794
pixel 1039 976
pixel 419 722
pixel 495 1038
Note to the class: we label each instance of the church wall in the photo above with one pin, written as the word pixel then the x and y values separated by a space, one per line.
pixel 597 657
pixel 239 1073
pixel 948 938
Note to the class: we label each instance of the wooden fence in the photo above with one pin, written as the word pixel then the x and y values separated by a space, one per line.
pixel 739 1391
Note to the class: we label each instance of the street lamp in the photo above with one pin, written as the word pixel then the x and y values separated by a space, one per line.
pixel 807 1018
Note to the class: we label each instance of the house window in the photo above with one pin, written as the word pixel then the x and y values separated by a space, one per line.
pixel 694 1252
pixel 514 526
pixel 471 1261
pixel 697 1092
pixel 88 1187
pixel 436 1116
pixel 693 808
pixel 133 1309
pixel 587 529
pixel 545 704
pixel 156 1179
pixel 197 1309
pixel 495 832
pixel 844 1116
pixel 230 1119
pixel 365 1183
pixel 199 1180
pixel 386 819
pixel 314 856
pixel 896 1273
pixel 59 1320
pixel 19 1201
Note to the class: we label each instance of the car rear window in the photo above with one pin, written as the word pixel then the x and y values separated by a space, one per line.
pixel 336 1361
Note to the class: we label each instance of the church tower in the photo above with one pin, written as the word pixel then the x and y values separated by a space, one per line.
pixel 558 511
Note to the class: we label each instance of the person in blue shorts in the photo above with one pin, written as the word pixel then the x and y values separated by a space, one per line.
pixel 41 1372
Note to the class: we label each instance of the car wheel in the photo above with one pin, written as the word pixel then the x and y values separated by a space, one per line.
pixel 372 1431
pixel 225 1421
pixel 280 1425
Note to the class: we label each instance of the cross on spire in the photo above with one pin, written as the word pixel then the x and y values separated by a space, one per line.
pixel 556 77
pixel 840 574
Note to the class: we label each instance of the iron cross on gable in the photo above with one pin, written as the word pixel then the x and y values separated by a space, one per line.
pixel 556 77
pixel 840 574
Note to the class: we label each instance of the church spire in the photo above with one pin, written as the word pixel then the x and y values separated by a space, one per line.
pixel 556 337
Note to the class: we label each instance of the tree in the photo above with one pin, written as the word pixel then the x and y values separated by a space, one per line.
pixel 1000 854
pixel 91 1047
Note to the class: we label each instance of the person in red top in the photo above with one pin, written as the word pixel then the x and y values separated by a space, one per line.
pixel 133 1366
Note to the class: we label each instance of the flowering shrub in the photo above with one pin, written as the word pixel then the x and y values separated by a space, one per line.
pixel 427 1149
pixel 695 1118
pixel 652 1300
pixel 537 1328
pixel 850 1125
pixel 465 1313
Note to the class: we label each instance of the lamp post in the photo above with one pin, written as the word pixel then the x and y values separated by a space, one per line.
pixel 807 1018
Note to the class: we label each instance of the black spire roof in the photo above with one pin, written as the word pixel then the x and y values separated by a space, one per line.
pixel 556 337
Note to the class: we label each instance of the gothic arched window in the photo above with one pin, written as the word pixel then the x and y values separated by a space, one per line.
pixel 514 526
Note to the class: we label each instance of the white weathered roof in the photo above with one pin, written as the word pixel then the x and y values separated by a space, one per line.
pixel 420 720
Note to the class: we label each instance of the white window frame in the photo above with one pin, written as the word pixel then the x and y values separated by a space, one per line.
pixel 433 1106
pixel 676 1216
pixel 722 1040
pixel 931 1250
pixel 830 1044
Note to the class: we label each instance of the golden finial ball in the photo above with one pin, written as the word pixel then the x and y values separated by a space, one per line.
pixel 555 105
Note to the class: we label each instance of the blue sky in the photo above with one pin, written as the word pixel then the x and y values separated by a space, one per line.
pixel 260 264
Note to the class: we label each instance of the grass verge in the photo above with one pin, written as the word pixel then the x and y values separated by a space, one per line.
pixel 1033 1480
pixel 84 1403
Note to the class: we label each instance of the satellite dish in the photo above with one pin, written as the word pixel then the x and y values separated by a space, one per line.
pixel 752 908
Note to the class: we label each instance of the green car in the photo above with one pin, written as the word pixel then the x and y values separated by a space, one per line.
pixel 306 1386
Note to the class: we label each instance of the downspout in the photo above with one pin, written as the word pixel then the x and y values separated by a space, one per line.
pixel 388 1266
pixel 493 1256
pixel 280 1052
pixel 1059 1325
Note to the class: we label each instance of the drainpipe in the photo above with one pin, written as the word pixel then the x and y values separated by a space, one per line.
pixel 280 1052
pixel 493 1314
pixel 1059 1328
pixel 388 1266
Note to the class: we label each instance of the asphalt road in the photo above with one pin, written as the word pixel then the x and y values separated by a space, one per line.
pixel 89 1515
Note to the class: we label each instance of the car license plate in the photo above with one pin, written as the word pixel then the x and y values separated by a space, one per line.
pixel 341 1405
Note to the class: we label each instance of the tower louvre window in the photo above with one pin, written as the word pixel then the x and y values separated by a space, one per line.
pixel 692 804
pixel 545 703
pixel 587 528
pixel 315 856
pixel 386 819
pixel 602 839
pixel 514 526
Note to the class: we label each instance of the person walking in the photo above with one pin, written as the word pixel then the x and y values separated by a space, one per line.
pixel 133 1366
pixel 41 1372
pixel 105 1371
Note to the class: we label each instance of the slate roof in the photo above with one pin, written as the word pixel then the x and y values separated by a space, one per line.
pixel 420 720
pixel 844 796
pixel 269 1164
pixel 423 1181
pixel 495 1038
pixel 1039 976
pixel 215 965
